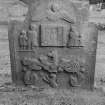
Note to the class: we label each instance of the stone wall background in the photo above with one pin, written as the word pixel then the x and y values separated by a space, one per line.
pixel 13 9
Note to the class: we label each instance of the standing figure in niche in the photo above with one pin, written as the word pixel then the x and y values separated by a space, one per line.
pixel 33 35
pixel 73 38
pixel 23 40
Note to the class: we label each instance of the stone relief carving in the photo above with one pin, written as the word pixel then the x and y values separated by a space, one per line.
pixel 52 35
pixel 56 30
pixel 43 63
pixel 34 34
pixel 23 40
pixel 54 26
pixel 73 39
pixel 75 69
pixel 56 11
pixel 28 38
pixel 48 65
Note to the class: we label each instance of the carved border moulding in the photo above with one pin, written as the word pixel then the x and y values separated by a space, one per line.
pixel 47 51
pixel 24 50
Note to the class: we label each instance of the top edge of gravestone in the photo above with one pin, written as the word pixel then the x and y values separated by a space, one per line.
pixel 30 1
pixel 33 1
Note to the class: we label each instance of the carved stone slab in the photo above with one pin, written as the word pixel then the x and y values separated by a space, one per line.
pixel 51 49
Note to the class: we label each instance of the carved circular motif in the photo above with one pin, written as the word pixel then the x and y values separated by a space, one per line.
pixel 72 66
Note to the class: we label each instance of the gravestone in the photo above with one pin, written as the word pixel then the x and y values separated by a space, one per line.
pixel 53 47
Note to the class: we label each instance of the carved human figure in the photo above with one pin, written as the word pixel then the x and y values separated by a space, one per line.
pixel 49 64
pixel 34 35
pixel 73 38
pixel 57 11
pixel 23 40
pixel 52 57
pixel 30 67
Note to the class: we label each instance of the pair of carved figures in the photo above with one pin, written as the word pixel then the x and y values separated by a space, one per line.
pixel 28 39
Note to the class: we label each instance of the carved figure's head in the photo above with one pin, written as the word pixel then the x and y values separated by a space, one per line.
pixel 51 54
pixel 23 32
pixel 55 6
pixel 33 27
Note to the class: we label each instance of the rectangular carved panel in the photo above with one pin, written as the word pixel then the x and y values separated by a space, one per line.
pixel 53 35
pixel 61 67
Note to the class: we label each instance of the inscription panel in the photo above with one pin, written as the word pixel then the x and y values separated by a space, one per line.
pixel 53 35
